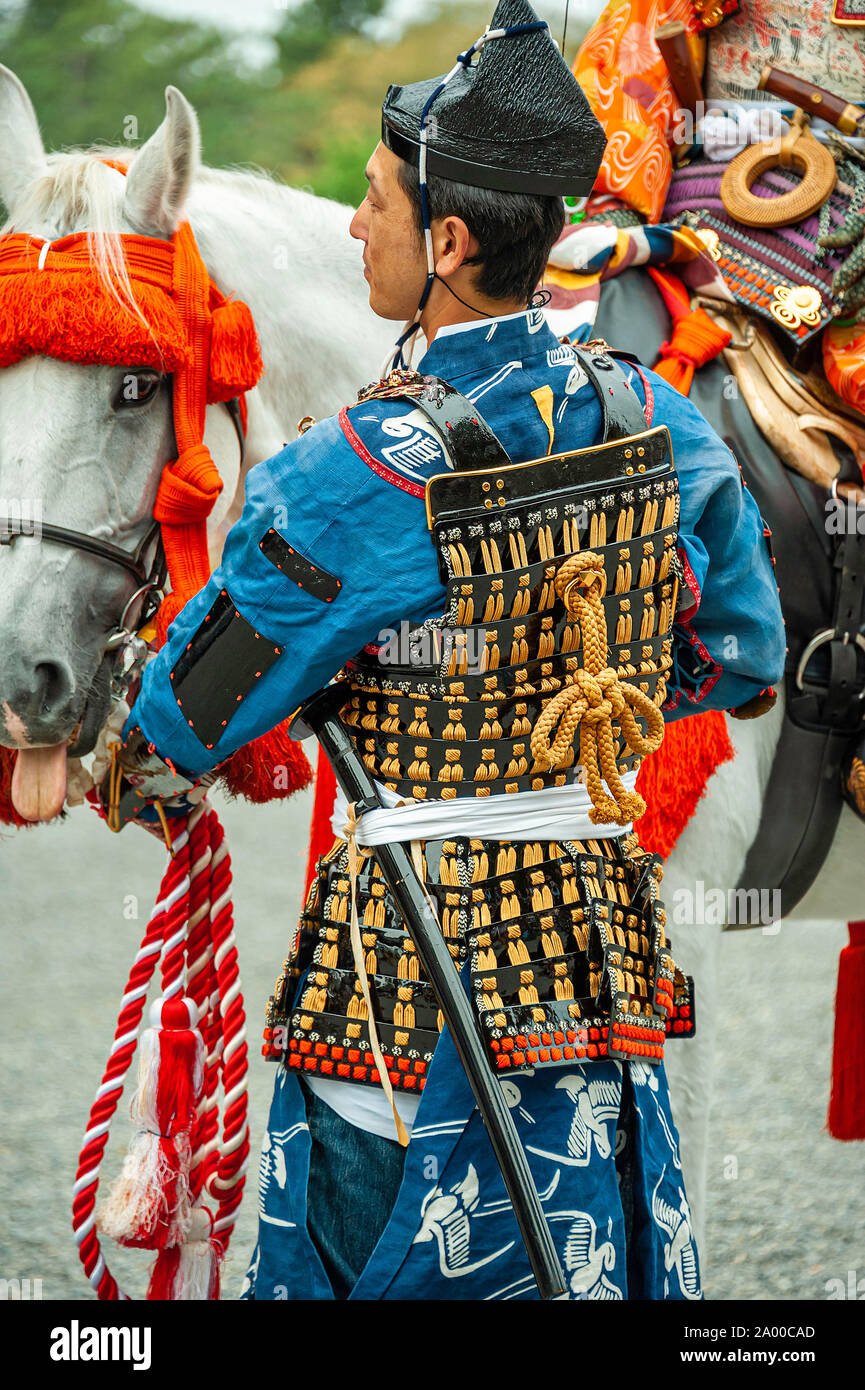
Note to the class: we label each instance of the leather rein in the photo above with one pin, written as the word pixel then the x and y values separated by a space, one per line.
pixel 151 578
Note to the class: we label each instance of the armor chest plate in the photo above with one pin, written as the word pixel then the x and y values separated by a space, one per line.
pixel 450 709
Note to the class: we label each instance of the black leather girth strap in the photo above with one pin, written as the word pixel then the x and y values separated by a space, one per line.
pixel 471 444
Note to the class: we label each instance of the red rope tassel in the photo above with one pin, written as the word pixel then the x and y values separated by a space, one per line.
pixel 188 1272
pixel 149 1206
pixel 847 1104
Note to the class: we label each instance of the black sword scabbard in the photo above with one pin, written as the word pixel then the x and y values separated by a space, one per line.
pixel 320 715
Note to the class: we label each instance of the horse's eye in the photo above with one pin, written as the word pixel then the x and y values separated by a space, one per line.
pixel 136 388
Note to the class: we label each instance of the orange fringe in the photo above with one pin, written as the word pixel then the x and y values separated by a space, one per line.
pixel 67 314
pixel 270 767
pixel 673 780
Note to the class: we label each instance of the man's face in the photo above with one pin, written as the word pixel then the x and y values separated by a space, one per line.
pixel 393 255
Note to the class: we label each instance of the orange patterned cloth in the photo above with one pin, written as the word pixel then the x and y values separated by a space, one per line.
pixel 844 361
pixel 625 79
pixel 620 69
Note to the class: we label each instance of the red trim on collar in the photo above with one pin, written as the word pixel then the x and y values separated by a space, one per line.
pixel 377 467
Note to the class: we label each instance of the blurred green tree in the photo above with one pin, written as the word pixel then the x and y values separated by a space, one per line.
pixel 91 64
pixel 97 70
pixel 308 31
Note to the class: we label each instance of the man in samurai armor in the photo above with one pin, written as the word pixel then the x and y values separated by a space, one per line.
pixel 517 560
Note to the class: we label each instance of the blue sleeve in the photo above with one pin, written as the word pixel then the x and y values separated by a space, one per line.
pixel 729 640
pixel 366 528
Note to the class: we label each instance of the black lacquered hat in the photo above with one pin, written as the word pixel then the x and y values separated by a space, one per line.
pixel 516 120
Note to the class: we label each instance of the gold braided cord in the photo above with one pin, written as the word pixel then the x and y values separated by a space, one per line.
pixel 591 700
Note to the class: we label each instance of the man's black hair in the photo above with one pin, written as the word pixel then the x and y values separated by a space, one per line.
pixel 514 231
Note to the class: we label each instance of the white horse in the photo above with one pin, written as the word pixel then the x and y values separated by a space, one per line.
pixel 72 442
pixel 95 467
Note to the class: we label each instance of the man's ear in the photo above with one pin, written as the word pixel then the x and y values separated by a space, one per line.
pixel 454 244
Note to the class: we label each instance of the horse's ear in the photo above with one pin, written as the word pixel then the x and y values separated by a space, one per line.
pixel 160 175
pixel 22 155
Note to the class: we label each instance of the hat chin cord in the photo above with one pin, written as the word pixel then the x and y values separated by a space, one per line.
pixel 397 360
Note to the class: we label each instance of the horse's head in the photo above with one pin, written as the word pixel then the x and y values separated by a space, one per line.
pixel 81 447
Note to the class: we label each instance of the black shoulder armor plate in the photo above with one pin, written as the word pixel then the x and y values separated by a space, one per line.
pixel 220 665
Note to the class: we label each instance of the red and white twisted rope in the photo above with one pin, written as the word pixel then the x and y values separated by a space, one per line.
pixel 191 932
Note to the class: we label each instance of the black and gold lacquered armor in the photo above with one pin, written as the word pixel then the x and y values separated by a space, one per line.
pixel 562 580
pixel 553 568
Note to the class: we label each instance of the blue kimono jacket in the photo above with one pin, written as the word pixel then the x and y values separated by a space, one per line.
pixel 348 497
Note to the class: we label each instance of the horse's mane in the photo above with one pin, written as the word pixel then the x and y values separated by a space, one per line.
pixel 79 187
pixel 80 190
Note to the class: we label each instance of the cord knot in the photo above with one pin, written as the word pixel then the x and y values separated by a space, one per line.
pixel 592 698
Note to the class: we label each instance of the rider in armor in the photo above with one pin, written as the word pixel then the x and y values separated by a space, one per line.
pixel 519 559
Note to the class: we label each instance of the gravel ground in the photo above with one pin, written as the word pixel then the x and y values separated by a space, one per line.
pixel 785 1199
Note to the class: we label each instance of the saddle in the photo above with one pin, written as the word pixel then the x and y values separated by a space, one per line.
pixel 822 742
pixel 820 576
pixel 796 411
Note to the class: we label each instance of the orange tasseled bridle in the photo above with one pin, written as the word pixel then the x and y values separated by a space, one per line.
pixel 53 302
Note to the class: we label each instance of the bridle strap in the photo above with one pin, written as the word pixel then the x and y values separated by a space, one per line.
pixel 10 527
pixel 150 579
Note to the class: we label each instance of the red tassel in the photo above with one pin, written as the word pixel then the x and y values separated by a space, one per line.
pixel 178 1084
pixel 164 1276
pixel 188 1272
pixel 271 767
pixel 847 1104
pixel 321 835
pixel 149 1206
pixel 672 780
pixel 235 355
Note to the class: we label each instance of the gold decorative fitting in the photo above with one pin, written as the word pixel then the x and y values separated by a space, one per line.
pixel 795 305
pixel 711 241
pixel 709 12
pixel 305 424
